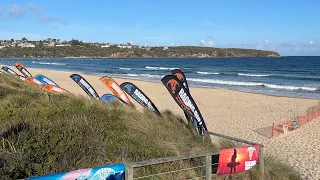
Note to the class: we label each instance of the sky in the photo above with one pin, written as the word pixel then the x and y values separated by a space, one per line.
pixel 289 27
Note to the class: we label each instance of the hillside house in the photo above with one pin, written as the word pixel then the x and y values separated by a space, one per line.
pixel 127 45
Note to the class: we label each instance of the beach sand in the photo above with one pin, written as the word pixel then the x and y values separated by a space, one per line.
pixel 231 113
pixel 299 148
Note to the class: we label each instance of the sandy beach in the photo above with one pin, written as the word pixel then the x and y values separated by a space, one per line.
pixel 231 113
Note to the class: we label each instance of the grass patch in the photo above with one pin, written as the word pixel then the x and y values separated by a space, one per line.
pixel 42 134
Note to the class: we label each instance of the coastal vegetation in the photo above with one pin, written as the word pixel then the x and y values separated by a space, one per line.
pixel 42 133
pixel 116 52
pixel 76 48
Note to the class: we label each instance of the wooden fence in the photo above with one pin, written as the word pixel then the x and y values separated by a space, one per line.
pixel 207 167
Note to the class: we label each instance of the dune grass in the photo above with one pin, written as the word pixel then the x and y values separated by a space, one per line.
pixel 41 134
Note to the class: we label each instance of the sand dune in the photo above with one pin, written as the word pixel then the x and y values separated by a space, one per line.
pixel 232 113
pixel 300 148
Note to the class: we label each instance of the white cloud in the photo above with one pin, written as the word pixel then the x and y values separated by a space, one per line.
pixel 207 44
pixel 299 45
pixel 266 45
pixel 36 8
pixel 284 46
pixel 16 11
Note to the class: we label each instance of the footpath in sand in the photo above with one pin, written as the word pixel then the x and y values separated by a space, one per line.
pixel 299 148
pixel 231 113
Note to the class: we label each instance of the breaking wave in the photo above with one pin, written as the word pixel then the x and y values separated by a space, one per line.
pixel 233 74
pixel 49 63
pixel 239 83
pixel 162 68
pixel 132 75
pixel 142 75
pixel 127 69
pixel 254 75
pixel 201 72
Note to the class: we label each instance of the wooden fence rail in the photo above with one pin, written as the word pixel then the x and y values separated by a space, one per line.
pixel 129 173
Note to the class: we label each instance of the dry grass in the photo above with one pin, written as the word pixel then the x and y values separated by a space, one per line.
pixel 43 134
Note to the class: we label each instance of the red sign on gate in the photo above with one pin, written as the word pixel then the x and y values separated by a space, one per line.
pixel 239 159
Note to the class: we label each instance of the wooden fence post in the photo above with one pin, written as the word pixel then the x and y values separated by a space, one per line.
pixel 129 172
pixel 209 167
pixel 261 163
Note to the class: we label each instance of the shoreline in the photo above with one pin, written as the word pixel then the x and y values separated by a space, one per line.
pixel 193 86
pixel 213 57
pixel 122 79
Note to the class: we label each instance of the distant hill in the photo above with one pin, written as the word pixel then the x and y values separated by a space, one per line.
pixel 133 52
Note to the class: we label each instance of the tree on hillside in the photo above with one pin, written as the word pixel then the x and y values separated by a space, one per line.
pixel 40 44
pixel 75 42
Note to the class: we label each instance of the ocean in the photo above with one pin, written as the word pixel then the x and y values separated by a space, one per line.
pixel 284 76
